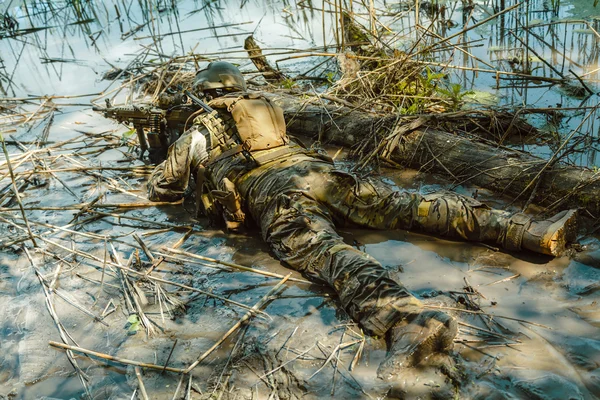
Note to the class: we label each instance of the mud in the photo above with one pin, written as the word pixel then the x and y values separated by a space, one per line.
pixel 289 354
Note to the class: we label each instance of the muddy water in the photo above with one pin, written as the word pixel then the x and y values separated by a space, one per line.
pixel 545 308
pixel 557 361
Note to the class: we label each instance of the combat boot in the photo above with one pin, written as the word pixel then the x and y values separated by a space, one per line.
pixel 416 338
pixel 549 236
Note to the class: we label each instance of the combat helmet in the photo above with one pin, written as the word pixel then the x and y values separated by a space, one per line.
pixel 220 75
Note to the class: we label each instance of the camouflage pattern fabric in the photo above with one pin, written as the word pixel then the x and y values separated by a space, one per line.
pixel 298 201
pixel 170 179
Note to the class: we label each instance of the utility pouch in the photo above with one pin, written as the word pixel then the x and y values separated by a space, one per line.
pixel 205 204
pixel 154 140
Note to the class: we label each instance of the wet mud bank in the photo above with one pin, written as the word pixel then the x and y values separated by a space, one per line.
pixel 536 335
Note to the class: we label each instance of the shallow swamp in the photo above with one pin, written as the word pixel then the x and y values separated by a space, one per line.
pixel 87 261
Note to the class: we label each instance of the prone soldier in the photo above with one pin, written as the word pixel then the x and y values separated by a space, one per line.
pixel 245 166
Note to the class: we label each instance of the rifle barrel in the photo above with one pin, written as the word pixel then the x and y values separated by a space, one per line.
pixel 198 102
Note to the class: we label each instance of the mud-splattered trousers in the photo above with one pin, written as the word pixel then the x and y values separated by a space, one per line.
pixel 299 200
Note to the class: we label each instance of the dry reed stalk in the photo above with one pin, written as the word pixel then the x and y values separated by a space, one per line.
pixel 459 48
pixel 16 191
pixel 156 223
pixel 108 357
pixel 329 359
pixel 61 330
pixel 246 317
pixel 150 277
pixel 266 374
pixel 489 332
pixel 232 265
pixel 503 280
pixel 553 160
pixel 463 31
pixel 487 314
pixel 138 375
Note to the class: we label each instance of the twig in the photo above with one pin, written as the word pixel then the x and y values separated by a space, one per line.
pixel 333 352
pixel 63 334
pixel 113 358
pixel 488 331
pixel 503 280
pixel 138 374
pixel 150 277
pixel 231 265
pixel 178 386
pixel 76 305
pixel 284 364
pixel 358 352
pixel 554 158
pixel 16 190
pixel 286 340
pixel 488 314
pixel 169 357
pixel 586 87
pixel 144 248
pixel 246 317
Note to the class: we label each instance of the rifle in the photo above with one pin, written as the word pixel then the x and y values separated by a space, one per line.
pixel 156 127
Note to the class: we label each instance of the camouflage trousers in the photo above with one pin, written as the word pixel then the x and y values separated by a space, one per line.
pixel 299 202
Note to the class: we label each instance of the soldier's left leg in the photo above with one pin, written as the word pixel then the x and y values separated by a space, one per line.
pixel 372 204
pixel 301 233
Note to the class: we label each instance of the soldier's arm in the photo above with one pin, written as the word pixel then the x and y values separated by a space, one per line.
pixel 170 179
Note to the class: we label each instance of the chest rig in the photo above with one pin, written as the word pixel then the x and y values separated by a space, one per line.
pixel 248 125
pixel 243 123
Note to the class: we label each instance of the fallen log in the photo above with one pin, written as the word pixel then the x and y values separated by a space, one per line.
pixel 470 160
pixel 260 61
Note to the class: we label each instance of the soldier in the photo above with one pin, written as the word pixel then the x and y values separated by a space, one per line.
pixel 244 162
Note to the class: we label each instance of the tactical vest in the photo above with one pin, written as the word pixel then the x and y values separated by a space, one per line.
pixel 255 124
pixel 251 126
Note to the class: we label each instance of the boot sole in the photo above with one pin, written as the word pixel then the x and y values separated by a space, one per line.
pixel 440 339
pixel 565 231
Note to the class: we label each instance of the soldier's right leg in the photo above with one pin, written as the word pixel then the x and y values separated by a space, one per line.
pixel 372 204
pixel 301 233
pixel 450 214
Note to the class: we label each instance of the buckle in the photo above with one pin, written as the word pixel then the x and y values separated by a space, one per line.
pixel 517 225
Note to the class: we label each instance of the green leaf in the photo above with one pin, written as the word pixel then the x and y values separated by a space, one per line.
pixel 484 98
pixel 128 133
pixel 134 324
pixel 585 31
pixel 133 328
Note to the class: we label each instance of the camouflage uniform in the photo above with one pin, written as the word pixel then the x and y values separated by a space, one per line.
pixel 299 199
pixel 242 157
